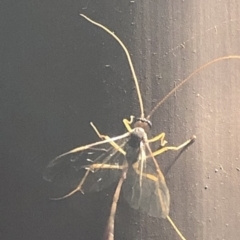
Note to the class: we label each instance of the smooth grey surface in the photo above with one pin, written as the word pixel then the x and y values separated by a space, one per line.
pixel 172 40
pixel 59 72
pixel 55 79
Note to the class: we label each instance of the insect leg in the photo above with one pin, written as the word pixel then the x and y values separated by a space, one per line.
pixel 78 188
pixel 90 168
pixel 127 123
pixel 160 137
pixel 109 232
pixel 173 148
pixel 105 137
pixel 175 228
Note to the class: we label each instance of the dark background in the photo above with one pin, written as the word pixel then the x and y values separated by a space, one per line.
pixel 59 72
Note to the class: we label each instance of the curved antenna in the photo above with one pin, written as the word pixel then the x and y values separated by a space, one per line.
pixel 128 58
pixel 196 35
pixel 188 78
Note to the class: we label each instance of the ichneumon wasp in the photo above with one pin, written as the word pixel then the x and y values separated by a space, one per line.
pixel 127 158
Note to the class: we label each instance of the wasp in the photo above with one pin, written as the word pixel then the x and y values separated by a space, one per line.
pixel 127 159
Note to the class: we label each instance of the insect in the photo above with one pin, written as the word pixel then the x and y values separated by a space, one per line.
pixel 127 158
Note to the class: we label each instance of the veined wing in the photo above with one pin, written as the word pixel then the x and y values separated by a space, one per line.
pixel 147 191
pixel 94 166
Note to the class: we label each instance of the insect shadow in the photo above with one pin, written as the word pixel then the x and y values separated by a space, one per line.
pixel 127 159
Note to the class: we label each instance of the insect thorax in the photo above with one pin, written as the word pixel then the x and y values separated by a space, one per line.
pixel 132 147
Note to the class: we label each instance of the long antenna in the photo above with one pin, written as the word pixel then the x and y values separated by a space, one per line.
pixel 128 58
pixel 188 78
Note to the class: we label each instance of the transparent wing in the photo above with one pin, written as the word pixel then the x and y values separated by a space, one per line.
pixel 101 160
pixel 149 193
